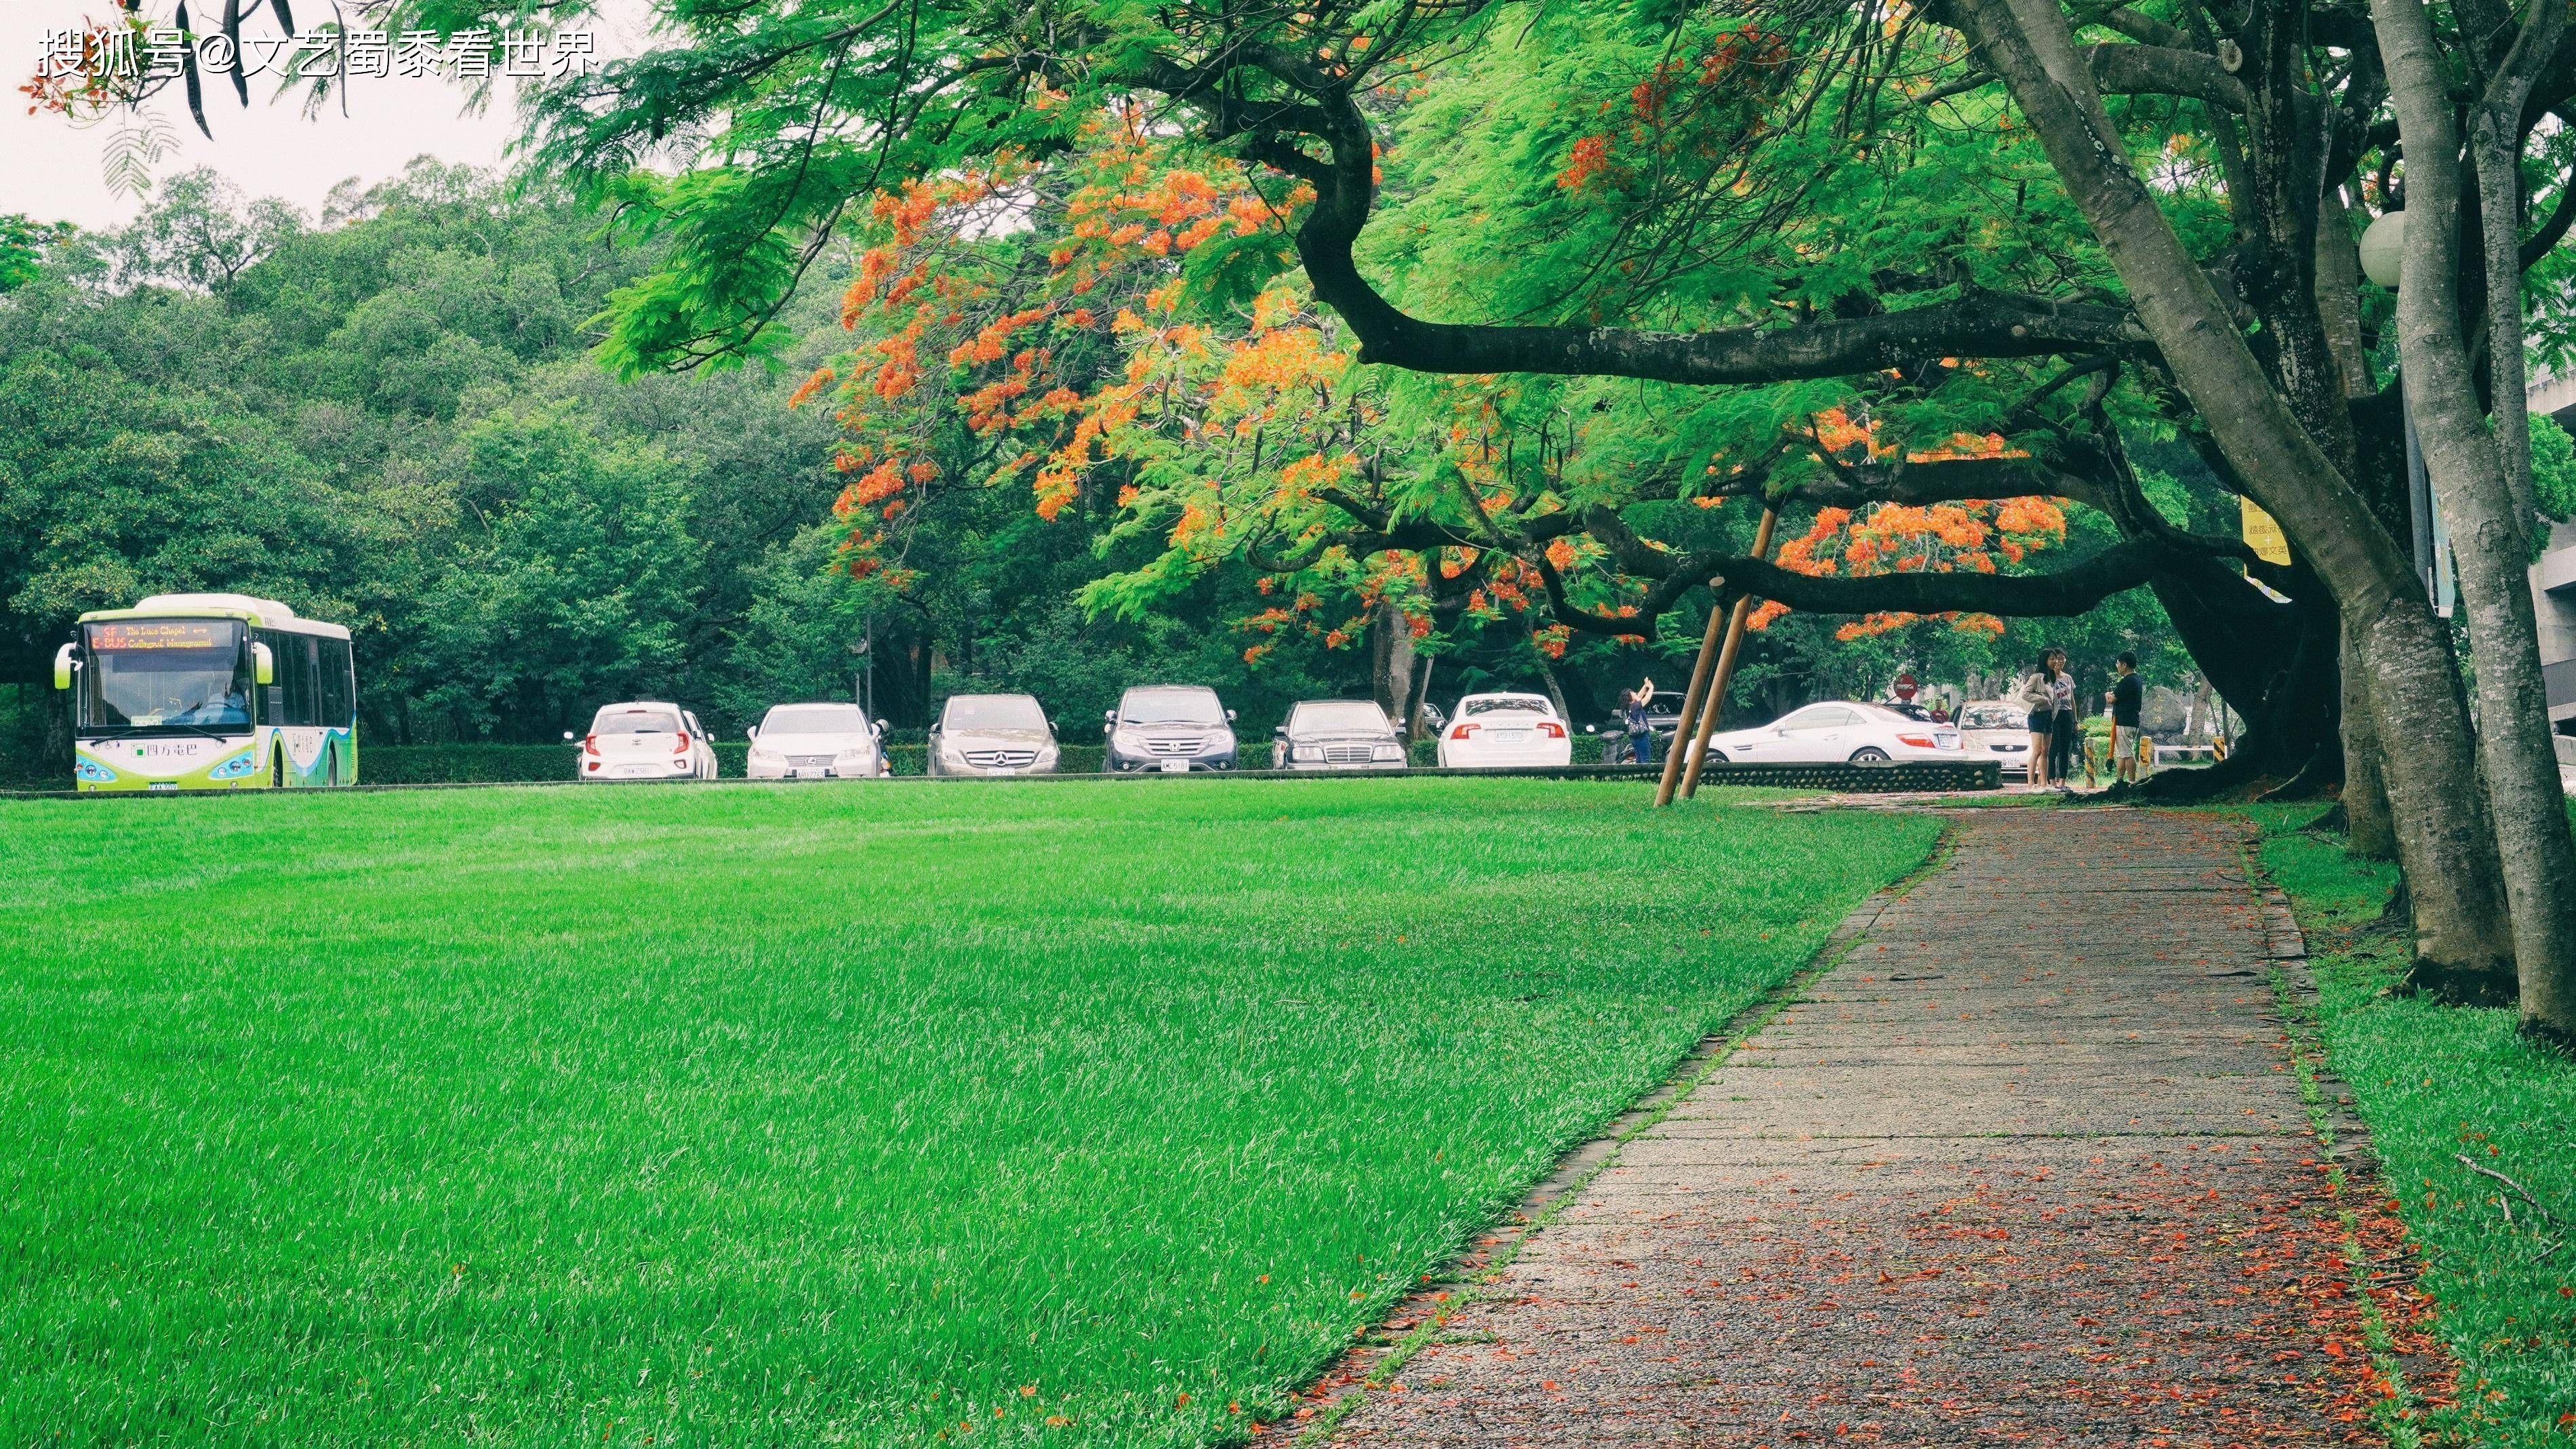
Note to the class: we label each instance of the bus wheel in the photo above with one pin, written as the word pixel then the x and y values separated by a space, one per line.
pixel 331 765
pixel 277 768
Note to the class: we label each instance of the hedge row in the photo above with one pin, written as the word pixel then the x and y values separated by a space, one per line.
pixel 484 764
pixel 475 764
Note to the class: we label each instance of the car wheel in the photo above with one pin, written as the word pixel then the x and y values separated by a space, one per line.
pixel 1869 755
pixel 1715 757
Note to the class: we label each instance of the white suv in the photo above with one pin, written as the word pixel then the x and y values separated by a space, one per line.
pixel 647 740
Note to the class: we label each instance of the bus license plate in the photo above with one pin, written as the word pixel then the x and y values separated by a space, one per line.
pixel 162 785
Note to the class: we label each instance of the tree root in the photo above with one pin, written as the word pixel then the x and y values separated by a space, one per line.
pixel 2454 987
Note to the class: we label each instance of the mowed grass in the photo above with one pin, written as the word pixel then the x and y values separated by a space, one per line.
pixel 2436 1083
pixel 1093 1113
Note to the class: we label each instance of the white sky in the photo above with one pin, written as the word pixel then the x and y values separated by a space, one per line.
pixel 50 168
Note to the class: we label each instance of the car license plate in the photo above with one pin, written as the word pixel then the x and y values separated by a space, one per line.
pixel 1176 767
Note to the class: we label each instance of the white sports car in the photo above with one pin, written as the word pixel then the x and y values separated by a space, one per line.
pixel 1504 731
pixel 1837 730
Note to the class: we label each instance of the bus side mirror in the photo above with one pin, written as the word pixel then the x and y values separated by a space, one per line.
pixel 63 667
pixel 263 664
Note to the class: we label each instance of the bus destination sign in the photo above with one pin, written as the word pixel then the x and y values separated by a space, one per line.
pixel 134 634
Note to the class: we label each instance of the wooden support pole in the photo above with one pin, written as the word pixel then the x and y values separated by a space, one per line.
pixel 1716 701
pixel 1692 701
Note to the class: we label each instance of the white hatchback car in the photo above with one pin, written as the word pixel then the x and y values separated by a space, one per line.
pixel 647 740
pixel 1838 730
pixel 1504 731
pixel 816 742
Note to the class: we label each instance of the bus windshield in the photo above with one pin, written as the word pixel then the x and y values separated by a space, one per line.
pixel 142 673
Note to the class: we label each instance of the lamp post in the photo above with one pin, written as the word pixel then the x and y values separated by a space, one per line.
pixel 2383 253
pixel 865 685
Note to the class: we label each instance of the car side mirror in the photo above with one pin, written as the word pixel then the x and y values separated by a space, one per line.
pixel 1109 726
pixel 263 664
pixel 567 737
pixel 750 733
pixel 63 667
pixel 1229 716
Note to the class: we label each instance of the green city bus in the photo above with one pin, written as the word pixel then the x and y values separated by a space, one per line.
pixel 209 692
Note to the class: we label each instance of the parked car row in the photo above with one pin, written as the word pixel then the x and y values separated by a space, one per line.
pixel 1159 728
pixel 1175 729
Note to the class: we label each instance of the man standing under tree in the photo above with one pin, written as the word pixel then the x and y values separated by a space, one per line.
pixel 2124 695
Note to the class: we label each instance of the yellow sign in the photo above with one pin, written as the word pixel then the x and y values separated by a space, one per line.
pixel 2265 534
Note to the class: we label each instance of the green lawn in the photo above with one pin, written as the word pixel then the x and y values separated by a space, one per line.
pixel 1081 1113
pixel 2433 1083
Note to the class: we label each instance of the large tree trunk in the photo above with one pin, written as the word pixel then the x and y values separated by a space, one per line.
pixel 2275 663
pixel 2367 830
pixel 1391 658
pixel 2476 501
pixel 2446 851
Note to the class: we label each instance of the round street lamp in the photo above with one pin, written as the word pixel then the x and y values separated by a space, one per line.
pixel 2383 249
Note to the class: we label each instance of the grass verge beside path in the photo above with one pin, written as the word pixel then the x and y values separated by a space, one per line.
pixel 2434 1084
pixel 1049 1115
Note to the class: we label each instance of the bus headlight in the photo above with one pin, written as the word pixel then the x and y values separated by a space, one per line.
pixel 92 771
pixel 234 768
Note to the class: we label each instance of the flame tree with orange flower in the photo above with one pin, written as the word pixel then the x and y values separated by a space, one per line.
pixel 1694 216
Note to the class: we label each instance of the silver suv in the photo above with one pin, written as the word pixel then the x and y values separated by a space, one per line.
pixel 1337 734
pixel 992 734
pixel 1170 728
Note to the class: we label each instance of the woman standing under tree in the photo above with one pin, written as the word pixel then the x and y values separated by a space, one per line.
pixel 1641 724
pixel 2036 697
pixel 2065 728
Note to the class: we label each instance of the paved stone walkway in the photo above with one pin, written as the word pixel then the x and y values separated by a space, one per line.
pixel 2028 1166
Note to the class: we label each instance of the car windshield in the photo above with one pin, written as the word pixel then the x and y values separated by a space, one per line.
pixel 815 719
pixel 1508 703
pixel 1991 717
pixel 1171 706
pixel 993 712
pixel 147 672
pixel 1341 714
pixel 615 721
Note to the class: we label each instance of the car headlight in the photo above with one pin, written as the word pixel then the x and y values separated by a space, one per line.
pixel 1306 752
pixel 1386 752
pixel 854 752
pixel 765 755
